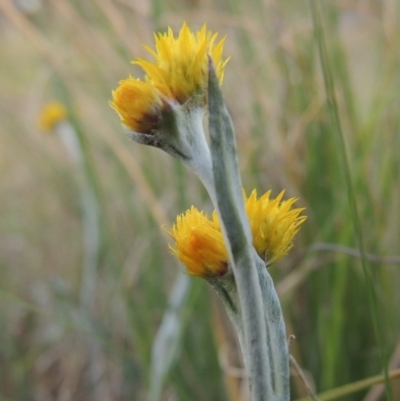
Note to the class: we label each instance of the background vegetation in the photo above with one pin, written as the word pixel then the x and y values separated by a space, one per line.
pixel 76 52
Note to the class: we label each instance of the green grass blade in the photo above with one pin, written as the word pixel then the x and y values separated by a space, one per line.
pixel 341 146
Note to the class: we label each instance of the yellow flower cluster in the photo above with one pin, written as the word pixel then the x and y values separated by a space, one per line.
pixel 178 72
pixel 199 242
pixel 50 115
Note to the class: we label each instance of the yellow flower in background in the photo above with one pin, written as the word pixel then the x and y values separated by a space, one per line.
pixel 51 114
pixel 199 242
pixel 177 73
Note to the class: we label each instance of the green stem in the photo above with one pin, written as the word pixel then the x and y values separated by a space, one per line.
pixel 260 323
pixel 166 345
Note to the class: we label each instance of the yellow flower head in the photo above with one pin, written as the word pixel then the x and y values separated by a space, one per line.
pixel 177 73
pixel 273 224
pixel 180 64
pixel 199 242
pixel 50 115
pixel 138 104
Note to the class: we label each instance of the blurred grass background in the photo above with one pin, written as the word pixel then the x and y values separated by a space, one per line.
pixel 76 52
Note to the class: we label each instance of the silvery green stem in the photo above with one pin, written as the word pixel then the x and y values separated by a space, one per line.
pixel 181 134
pixel 200 160
pixel 166 344
pixel 66 132
pixel 91 238
pixel 254 308
pixel 278 354
pixel 276 334
pixel 225 287
pixel 91 245
pixel 238 239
